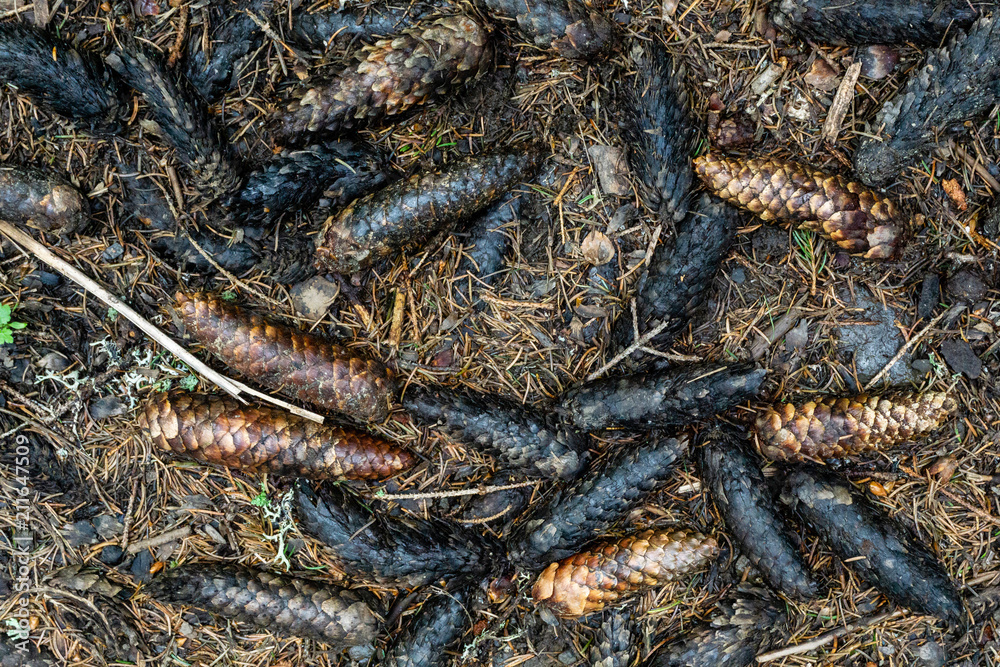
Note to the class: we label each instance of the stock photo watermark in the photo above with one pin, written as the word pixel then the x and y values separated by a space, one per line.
pixel 17 621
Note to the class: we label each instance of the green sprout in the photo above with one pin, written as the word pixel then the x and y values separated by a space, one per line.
pixel 7 327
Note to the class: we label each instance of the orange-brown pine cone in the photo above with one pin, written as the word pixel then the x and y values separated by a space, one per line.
pixel 833 427
pixel 417 66
pixel 610 570
pixel 221 430
pixel 856 218
pixel 300 365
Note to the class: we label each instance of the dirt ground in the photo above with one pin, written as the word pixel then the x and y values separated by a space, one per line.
pixel 821 321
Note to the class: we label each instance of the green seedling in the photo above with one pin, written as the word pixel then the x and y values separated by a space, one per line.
pixel 8 327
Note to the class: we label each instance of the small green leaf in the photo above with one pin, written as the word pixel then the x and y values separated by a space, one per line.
pixel 4 313
pixel 261 500
pixel 17 325
pixel 6 337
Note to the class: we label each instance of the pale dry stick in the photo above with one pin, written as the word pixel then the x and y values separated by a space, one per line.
pixel 65 268
pixel 162 538
pixel 826 638
pixel 637 344
pixel 903 350
pixel 478 491
pixel 841 102
pixel 779 329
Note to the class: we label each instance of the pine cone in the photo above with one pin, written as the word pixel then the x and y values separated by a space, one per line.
pixel 734 480
pixel 568 26
pixel 336 26
pixel 300 365
pixel 733 638
pixel 958 83
pixel 658 133
pixel 590 507
pixel 833 427
pixel 533 440
pixel 221 430
pixel 872 21
pixel 296 607
pixel 881 550
pixel 674 396
pixel 72 83
pixel 418 66
pixel 408 213
pixel 180 118
pixel 610 570
pixel 849 214
pixel 36 199
pixel 294 180
pixel 616 643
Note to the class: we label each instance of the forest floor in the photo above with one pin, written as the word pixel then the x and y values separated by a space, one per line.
pixel 822 322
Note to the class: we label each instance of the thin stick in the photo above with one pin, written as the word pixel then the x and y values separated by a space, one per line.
pixel 640 342
pixel 478 491
pixel 841 102
pixel 903 350
pixel 825 638
pixel 229 386
pixel 162 538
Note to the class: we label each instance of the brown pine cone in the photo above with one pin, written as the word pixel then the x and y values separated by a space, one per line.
pixel 856 218
pixel 833 427
pixel 43 201
pixel 220 430
pixel 603 574
pixel 417 66
pixel 300 365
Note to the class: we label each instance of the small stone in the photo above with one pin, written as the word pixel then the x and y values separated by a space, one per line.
pixel 922 366
pixel 597 248
pixel 53 361
pixel 887 649
pixel 738 276
pixel 878 61
pixel 105 408
pixel 874 340
pixel 622 217
pixel 108 526
pixel 568 658
pixel 798 338
pixel 609 163
pixel 312 298
pixel 111 555
pixel 965 285
pixel 961 358
pixel 79 534
pixel 930 295
pixel 822 76
pixel 113 253
pixel 141 565
pixel 932 654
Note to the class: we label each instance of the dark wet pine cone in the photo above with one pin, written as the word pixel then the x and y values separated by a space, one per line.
pixel 295 607
pixel 72 83
pixel 332 26
pixel 395 551
pixel 881 550
pixel 567 26
pixel 221 430
pixel 433 630
pixel 733 479
pixel 590 507
pixel 407 213
pixel 733 638
pixel 180 117
pixel 833 427
pixel 658 133
pixel 301 365
pixel 617 642
pixel 419 65
pixel 857 219
pixel 958 83
pixel 531 439
pixel 872 21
